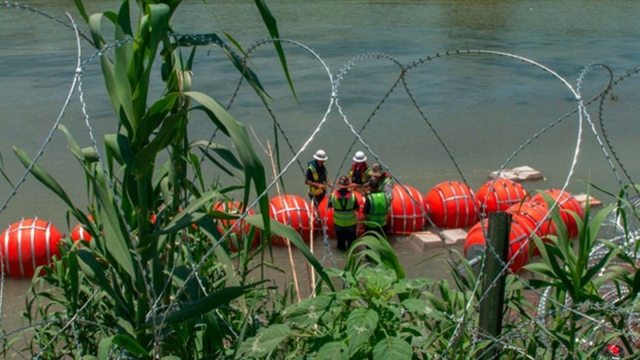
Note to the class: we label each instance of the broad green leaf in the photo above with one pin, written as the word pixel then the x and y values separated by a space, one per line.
pixel 308 311
pixel 81 10
pixel 222 151
pixel 116 238
pixel 145 158
pixel 253 169
pixel 124 342
pixel 334 350
pixel 272 26
pixel 153 118
pixel 265 341
pixel 392 348
pixel 207 303
pixel 238 62
pixel 96 274
pixel 417 306
pixel 153 29
pixel 361 324
pixel 192 213
pixel 123 55
pixel 288 232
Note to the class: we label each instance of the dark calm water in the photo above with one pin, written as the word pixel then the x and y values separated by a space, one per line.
pixel 483 107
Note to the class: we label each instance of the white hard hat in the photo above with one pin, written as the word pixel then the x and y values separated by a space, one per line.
pixel 320 155
pixel 360 157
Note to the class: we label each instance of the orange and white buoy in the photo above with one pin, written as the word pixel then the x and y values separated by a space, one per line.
pixel 499 195
pixel 408 211
pixel 238 230
pixel 79 232
pixel 294 211
pixel 27 244
pixel 452 204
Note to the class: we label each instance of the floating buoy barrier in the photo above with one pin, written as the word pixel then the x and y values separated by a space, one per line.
pixel 451 205
pixel 238 230
pixel 326 215
pixel 567 204
pixel 408 210
pixel 27 244
pixel 518 253
pixel 499 195
pixel 79 232
pixel 294 211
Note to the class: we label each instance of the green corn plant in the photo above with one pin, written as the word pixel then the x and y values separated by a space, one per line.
pixel 154 281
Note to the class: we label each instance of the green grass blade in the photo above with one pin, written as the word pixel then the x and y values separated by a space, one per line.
pixel 272 26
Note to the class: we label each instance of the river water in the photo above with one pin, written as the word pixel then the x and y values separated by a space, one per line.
pixel 482 106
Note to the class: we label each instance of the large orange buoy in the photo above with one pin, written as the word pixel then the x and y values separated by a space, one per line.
pixel 537 215
pixel 452 204
pixel 499 195
pixel 326 215
pixel 79 232
pixel 27 244
pixel 294 211
pixel 238 231
pixel 408 211
pixel 518 253
pixel 566 204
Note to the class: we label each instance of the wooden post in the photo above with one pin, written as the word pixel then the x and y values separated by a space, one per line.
pixel 493 281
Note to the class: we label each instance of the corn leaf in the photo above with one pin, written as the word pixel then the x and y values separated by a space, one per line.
pixel 253 168
pixel 207 303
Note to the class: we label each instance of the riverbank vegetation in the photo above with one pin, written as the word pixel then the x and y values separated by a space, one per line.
pixel 158 279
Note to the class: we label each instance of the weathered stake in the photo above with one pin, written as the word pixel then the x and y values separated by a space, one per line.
pixel 493 281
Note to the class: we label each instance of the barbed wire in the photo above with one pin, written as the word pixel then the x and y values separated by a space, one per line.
pixel 158 315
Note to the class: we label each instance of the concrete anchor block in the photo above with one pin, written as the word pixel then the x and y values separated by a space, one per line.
pixel 593 202
pixel 425 240
pixel 454 236
pixel 520 173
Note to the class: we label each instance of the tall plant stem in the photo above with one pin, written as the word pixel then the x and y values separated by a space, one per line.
pixel 291 262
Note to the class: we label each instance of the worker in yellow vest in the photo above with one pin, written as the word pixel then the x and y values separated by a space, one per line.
pixel 316 178
pixel 376 208
pixel 345 213
pixel 383 179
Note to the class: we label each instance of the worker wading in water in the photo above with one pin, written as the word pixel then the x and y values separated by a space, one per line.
pixel 376 209
pixel 316 178
pixel 345 213
pixel 360 172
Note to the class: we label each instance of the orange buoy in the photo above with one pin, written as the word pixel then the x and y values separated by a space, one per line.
pixel 452 204
pixel 536 213
pixel 27 244
pixel 79 232
pixel 294 211
pixel 567 204
pixel 326 215
pixel 408 210
pixel 499 195
pixel 238 230
pixel 518 253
